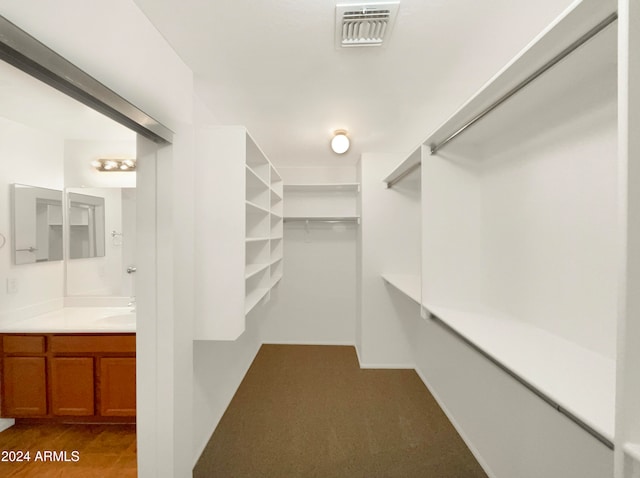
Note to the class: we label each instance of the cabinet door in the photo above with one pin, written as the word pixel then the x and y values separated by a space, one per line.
pixel 24 387
pixel 118 387
pixel 72 386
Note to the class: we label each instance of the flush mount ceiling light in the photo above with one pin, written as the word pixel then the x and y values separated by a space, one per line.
pixel 114 165
pixel 340 142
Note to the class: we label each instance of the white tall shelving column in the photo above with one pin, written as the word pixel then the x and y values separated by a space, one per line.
pixel 239 204
pixel 627 443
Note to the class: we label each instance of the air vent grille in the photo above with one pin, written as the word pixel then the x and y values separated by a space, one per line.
pixel 364 25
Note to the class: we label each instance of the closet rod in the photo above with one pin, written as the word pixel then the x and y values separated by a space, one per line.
pixel 530 79
pixel 403 175
pixel 543 396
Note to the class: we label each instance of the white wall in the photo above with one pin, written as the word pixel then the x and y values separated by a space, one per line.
pixel 219 367
pixel 102 275
pixel 99 276
pixel 549 221
pixel 390 244
pixel 35 158
pixel 315 302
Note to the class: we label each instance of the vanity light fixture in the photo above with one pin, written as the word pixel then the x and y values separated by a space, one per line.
pixel 112 165
pixel 340 141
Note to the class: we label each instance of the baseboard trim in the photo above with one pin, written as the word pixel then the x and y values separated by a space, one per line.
pixel 474 451
pixel 310 342
pixel 395 366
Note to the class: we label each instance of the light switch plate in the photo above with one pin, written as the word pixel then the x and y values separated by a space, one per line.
pixel 12 285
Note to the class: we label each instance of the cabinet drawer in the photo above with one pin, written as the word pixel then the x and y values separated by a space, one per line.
pixel 93 343
pixel 28 344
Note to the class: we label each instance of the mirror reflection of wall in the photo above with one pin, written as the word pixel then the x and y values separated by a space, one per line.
pixel 37 224
pixel 86 226
pixel 105 274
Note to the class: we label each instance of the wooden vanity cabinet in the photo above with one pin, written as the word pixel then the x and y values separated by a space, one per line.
pixel 68 376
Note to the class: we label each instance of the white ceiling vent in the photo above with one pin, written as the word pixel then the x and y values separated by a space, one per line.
pixel 364 24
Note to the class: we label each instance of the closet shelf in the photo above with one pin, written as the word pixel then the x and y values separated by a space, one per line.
pixel 632 450
pixel 323 187
pixel 576 381
pixel 406 167
pixel 538 58
pixel 254 269
pixel 253 298
pixel 257 176
pixel 322 219
pixel 408 284
pixel 252 207
pixel 276 260
pixel 256 239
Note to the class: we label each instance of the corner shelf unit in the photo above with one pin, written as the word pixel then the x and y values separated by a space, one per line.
pixel 503 230
pixel 239 228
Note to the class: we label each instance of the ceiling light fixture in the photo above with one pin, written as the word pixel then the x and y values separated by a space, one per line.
pixel 340 141
pixel 114 165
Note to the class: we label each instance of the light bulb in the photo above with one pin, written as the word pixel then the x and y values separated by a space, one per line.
pixel 340 142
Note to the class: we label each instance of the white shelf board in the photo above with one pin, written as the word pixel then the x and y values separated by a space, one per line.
pixel 408 284
pixel 275 280
pixel 276 238
pixel 276 194
pixel 255 208
pixel 279 216
pixel 256 179
pixel 252 298
pixel 275 261
pixel 580 381
pixel 275 176
pixel 323 218
pixel 256 239
pixel 406 165
pixel 323 187
pixel 257 176
pixel 632 450
pixel 254 269
pixel 575 21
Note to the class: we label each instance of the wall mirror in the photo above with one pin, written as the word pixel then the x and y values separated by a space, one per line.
pixel 103 274
pixel 86 226
pixel 37 224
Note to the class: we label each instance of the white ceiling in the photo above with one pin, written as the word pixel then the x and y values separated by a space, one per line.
pixel 272 66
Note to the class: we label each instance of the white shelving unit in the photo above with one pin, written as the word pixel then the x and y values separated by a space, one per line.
pixel 322 187
pixel 276 265
pixel 321 202
pixel 519 204
pixel 238 230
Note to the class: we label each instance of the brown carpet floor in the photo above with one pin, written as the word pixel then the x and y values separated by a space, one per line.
pixel 310 411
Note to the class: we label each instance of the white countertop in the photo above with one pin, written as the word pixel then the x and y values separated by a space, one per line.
pixel 75 320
